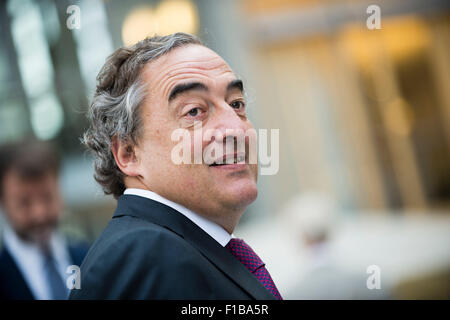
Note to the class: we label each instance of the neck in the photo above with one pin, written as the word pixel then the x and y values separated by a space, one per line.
pixel 227 218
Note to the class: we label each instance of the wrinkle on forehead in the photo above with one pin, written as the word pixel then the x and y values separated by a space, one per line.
pixel 192 61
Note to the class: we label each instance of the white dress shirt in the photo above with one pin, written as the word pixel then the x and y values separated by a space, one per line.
pixel 213 229
pixel 30 261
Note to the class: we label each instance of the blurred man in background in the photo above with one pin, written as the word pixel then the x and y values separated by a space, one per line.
pixel 314 217
pixel 33 255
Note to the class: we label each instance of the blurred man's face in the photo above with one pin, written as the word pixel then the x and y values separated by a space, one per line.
pixel 216 101
pixel 32 206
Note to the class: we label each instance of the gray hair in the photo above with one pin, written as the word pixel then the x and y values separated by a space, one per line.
pixel 114 111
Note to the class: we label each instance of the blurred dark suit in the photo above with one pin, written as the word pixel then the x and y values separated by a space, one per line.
pixel 13 285
pixel 151 251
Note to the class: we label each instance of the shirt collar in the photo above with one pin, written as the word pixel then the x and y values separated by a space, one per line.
pixel 213 229
pixel 15 243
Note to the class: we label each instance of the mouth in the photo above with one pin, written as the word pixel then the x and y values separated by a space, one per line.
pixel 230 160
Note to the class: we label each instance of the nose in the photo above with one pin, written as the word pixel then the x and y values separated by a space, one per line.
pixel 229 124
pixel 38 211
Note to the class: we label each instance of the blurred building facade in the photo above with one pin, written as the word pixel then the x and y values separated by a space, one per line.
pixel 364 115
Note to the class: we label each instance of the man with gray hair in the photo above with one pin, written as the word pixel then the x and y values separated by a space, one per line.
pixel 171 234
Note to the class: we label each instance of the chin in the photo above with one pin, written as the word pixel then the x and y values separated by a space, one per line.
pixel 242 194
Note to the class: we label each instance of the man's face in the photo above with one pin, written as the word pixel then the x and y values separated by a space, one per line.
pixel 211 95
pixel 32 206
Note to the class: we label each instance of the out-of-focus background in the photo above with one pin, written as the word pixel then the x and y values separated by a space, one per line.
pixel 362 195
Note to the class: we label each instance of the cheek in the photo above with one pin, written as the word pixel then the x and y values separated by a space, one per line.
pixel 155 154
pixel 17 214
pixel 198 146
pixel 254 170
pixel 189 182
pixel 192 179
pixel 13 208
pixel 56 207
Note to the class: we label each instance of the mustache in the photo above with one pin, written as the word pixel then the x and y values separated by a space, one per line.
pixel 37 231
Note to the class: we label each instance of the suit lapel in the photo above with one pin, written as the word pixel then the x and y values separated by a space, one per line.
pixel 173 220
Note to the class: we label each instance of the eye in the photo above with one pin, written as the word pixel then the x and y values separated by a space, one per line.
pixel 194 112
pixel 238 104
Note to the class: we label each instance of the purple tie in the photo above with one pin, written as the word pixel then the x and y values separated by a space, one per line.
pixel 245 254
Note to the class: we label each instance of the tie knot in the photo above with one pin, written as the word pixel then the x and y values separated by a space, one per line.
pixel 245 254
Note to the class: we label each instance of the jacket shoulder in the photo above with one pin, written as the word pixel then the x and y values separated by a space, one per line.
pixel 135 259
pixel 128 234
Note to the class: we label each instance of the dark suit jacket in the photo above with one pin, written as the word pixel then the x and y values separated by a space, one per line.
pixel 13 285
pixel 151 251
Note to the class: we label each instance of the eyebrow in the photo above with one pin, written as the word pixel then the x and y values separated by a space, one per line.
pixel 236 84
pixel 185 87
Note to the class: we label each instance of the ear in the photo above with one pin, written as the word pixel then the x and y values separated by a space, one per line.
pixel 125 156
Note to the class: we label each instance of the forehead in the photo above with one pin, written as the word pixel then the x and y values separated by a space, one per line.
pixel 14 184
pixel 14 176
pixel 187 62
